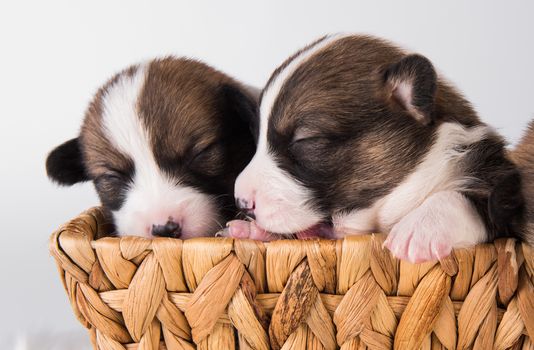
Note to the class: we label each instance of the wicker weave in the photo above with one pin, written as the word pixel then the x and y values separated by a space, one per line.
pixel 219 293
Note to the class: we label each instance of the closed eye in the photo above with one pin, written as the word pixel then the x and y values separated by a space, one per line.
pixel 111 187
pixel 204 152
pixel 308 140
pixel 310 150
pixel 114 174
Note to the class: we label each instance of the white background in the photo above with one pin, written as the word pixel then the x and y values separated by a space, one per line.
pixel 55 54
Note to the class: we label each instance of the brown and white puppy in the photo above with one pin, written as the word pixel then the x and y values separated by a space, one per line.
pixel 163 143
pixel 356 133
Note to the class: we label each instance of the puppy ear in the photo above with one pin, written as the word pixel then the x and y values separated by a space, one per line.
pixel 411 83
pixel 64 164
pixel 241 104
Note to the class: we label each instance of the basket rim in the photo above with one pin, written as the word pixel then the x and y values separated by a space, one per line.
pixel 89 269
pixel 100 211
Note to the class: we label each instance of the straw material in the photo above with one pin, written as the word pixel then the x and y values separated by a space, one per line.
pixel 219 293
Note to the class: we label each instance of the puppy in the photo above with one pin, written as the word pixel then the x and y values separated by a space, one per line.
pixel 163 143
pixel 360 136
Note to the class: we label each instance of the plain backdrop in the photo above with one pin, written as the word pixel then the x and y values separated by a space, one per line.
pixel 55 54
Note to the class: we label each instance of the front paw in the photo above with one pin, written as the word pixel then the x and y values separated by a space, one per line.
pixel 444 221
pixel 418 240
pixel 247 229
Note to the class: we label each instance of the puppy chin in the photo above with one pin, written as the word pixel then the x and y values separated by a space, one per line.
pixel 197 217
pixel 286 219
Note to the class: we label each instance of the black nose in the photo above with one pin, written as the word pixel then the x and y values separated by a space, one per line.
pixel 244 204
pixel 246 207
pixel 241 203
pixel 170 229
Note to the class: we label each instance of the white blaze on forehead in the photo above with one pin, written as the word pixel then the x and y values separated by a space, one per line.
pixel 153 196
pixel 281 202
pixel 121 123
pixel 271 92
pixel 125 129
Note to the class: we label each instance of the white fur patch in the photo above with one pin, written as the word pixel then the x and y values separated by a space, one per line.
pixel 281 203
pixel 439 171
pixel 444 221
pixel 357 222
pixel 153 197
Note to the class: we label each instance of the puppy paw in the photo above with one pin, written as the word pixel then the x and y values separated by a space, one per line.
pixel 444 221
pixel 417 242
pixel 245 229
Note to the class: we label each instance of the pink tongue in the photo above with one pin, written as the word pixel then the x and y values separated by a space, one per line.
pixel 317 231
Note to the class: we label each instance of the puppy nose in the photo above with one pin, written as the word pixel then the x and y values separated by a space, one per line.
pixel 170 229
pixel 247 206
pixel 244 204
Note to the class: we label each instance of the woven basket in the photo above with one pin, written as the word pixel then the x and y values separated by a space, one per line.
pixel 219 293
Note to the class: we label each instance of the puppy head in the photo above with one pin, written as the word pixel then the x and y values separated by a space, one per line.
pixel 340 124
pixel 163 143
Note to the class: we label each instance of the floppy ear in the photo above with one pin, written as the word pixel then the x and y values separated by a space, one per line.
pixel 243 105
pixel 64 164
pixel 411 83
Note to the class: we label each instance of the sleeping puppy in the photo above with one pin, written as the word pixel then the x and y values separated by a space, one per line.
pixel 356 136
pixel 163 143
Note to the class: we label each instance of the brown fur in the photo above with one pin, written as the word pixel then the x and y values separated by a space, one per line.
pixel 197 121
pixel 361 141
pixel 100 156
pixel 523 157
pixel 342 85
pixel 174 88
